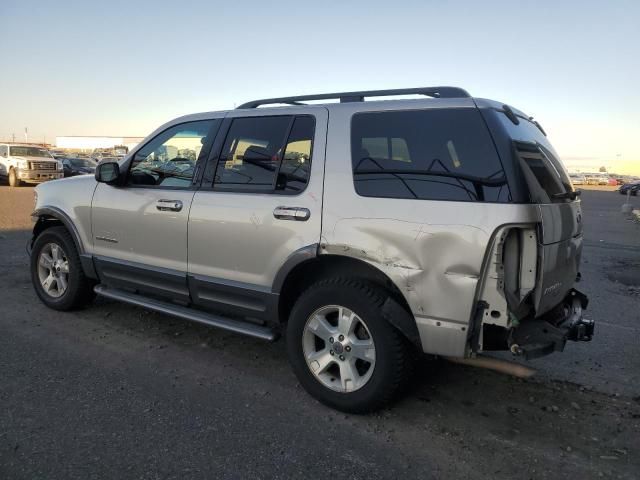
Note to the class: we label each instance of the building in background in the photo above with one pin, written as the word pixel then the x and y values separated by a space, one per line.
pixel 90 143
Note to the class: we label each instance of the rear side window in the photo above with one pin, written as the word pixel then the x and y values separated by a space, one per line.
pixel 437 154
pixel 270 154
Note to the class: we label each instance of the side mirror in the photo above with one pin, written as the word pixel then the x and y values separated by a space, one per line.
pixel 107 172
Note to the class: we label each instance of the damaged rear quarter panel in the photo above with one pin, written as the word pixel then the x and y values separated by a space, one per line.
pixel 435 259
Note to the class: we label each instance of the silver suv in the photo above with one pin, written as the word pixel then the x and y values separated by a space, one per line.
pixel 365 231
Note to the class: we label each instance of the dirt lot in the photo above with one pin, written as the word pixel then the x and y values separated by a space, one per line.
pixel 119 392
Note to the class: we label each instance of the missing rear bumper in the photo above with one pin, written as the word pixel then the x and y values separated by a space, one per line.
pixel 549 333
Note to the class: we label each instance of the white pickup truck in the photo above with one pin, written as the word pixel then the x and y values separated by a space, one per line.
pixel 28 164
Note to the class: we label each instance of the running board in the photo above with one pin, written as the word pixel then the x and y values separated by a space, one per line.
pixel 212 320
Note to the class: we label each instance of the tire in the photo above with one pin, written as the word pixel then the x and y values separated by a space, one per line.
pixel 78 289
pixel 391 362
pixel 14 181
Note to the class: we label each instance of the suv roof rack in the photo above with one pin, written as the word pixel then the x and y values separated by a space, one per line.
pixel 435 92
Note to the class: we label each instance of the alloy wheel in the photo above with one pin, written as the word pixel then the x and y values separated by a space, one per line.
pixel 53 270
pixel 338 348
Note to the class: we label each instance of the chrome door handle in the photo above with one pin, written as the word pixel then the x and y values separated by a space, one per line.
pixel 292 213
pixel 169 205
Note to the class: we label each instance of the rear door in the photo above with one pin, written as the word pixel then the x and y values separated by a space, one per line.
pixel 259 209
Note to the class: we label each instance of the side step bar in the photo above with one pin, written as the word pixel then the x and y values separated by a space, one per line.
pixel 218 321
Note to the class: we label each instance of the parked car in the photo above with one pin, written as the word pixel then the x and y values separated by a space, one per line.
pixel 591 179
pixel 27 164
pixel 612 182
pixel 631 187
pixel 577 179
pixel 597 179
pixel 78 166
pixel 367 230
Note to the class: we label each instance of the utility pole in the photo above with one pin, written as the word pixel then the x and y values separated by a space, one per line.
pixel 13 138
pixel 26 135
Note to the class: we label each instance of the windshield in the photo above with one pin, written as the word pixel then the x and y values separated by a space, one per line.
pixel 29 152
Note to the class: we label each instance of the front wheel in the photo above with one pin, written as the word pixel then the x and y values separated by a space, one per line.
pixel 14 181
pixel 56 272
pixel 342 349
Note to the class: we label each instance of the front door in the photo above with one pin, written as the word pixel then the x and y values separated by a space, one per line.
pixel 261 209
pixel 140 227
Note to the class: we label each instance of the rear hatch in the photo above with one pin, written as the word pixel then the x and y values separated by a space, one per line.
pixel 560 228
pixel 545 182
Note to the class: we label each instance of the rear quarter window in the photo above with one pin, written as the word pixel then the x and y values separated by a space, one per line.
pixel 435 154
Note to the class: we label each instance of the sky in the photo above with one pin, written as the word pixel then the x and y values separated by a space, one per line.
pixel 122 68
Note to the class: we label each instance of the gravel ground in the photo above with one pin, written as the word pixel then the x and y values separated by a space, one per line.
pixel 115 391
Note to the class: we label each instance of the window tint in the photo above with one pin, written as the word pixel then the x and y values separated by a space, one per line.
pixel 386 147
pixel 426 154
pixel 251 152
pixel 296 163
pixel 3 150
pixel 266 154
pixel 169 159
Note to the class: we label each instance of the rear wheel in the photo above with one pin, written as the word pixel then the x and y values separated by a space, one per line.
pixel 14 181
pixel 342 349
pixel 56 272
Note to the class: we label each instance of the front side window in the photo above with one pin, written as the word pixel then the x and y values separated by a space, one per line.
pixel 437 154
pixel 266 154
pixel 169 159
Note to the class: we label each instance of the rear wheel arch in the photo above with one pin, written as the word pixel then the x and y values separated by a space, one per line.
pixel 327 266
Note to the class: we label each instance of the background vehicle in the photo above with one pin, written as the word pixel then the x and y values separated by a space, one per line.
pixel 28 164
pixel 118 151
pixel 577 179
pixel 632 187
pixel 597 179
pixel 368 230
pixel 78 166
pixel 591 179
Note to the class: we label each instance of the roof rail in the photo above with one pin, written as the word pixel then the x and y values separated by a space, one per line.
pixel 435 92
